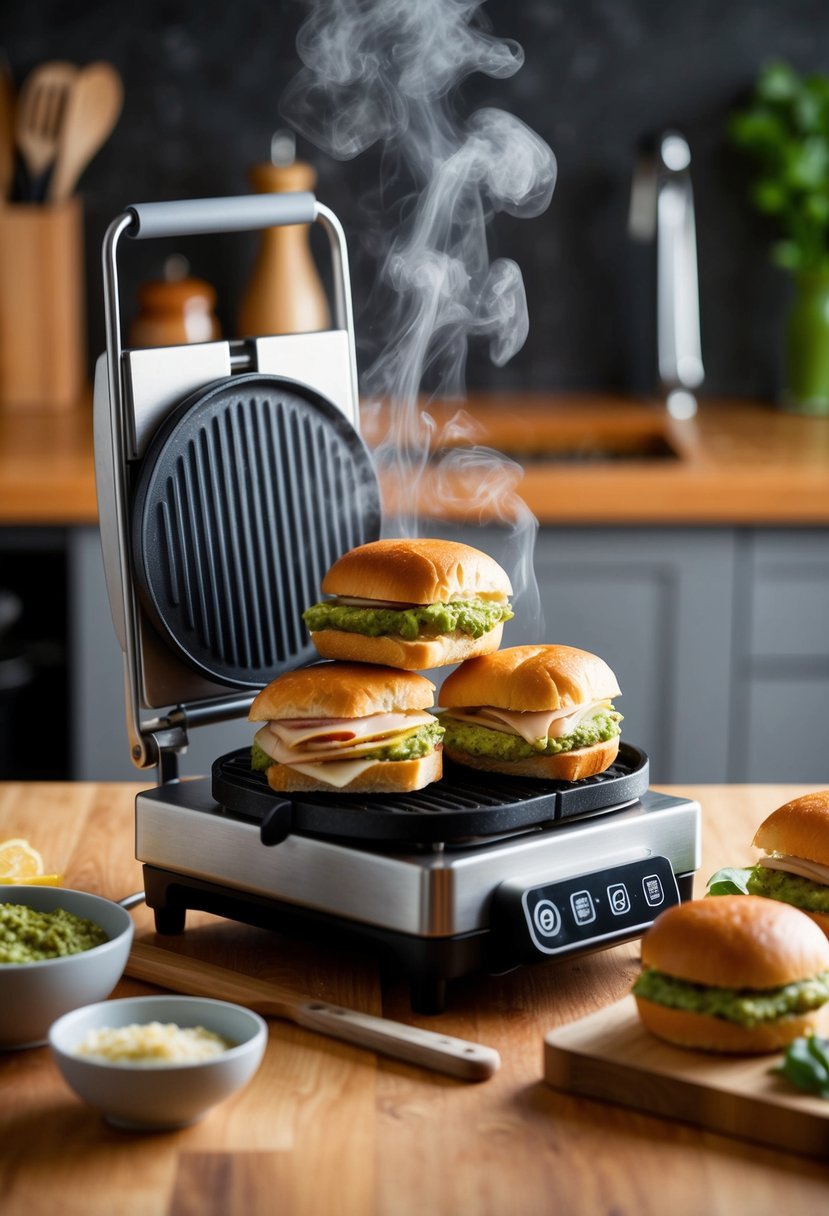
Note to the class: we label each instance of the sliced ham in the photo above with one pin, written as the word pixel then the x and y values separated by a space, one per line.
pixel 533 727
pixel 798 865
pixel 328 743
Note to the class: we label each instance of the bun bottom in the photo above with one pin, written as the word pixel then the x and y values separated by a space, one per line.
pixel 384 777
pixel 566 766
pixel 698 1030
pixel 419 655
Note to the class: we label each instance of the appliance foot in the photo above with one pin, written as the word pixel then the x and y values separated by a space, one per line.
pixel 428 996
pixel 170 920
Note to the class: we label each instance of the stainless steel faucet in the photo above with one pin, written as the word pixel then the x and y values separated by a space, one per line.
pixel 662 213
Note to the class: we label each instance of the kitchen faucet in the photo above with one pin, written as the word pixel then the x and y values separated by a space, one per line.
pixel 662 216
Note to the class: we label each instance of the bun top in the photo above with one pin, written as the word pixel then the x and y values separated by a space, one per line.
pixel 341 690
pixel 417 572
pixel 736 941
pixel 530 678
pixel 799 828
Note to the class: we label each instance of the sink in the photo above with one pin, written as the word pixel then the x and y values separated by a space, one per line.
pixel 590 449
pixel 534 433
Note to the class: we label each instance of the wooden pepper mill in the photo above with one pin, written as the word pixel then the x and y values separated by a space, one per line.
pixel 285 293
pixel 175 310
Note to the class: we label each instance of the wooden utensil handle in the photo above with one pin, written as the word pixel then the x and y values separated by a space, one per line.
pixel 440 1052
pixel 456 1057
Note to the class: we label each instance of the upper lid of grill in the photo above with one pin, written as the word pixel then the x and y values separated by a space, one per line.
pixel 248 492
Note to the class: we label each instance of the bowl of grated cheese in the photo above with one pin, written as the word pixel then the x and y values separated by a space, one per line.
pixel 154 1063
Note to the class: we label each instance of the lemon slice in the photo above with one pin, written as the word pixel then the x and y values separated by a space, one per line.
pixel 33 880
pixel 19 860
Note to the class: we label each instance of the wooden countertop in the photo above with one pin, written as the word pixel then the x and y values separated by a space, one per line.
pixel 734 463
pixel 327 1128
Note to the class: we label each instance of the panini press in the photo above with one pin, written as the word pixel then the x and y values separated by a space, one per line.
pixel 230 475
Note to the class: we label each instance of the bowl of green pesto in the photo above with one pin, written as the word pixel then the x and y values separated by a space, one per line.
pixel 59 949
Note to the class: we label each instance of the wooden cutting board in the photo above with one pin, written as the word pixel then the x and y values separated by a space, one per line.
pixel 610 1056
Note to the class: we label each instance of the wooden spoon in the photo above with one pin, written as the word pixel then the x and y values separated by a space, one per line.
pixel 93 106
pixel 40 112
pixel 428 1048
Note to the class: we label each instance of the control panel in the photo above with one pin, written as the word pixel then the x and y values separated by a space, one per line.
pixel 583 911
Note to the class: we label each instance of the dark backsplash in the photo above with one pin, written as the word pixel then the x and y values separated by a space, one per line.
pixel 202 89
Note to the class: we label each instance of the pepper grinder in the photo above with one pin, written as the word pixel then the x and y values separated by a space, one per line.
pixel 285 293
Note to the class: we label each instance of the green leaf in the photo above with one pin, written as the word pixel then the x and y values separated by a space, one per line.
pixel 785 131
pixel 729 881
pixel 769 196
pixel 806 1065
pixel 788 255
pixel 778 82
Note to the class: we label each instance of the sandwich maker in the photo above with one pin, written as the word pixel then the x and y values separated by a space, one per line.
pixel 230 475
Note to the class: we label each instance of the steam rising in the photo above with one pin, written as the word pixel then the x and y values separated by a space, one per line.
pixel 383 72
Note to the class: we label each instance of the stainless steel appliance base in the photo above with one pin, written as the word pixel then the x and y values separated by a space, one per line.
pixel 435 912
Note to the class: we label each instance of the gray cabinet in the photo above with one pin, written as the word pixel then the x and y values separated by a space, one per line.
pixel 780 704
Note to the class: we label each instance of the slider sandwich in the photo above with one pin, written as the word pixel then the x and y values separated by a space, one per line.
pixel 532 711
pixel 737 974
pixel 795 868
pixel 347 726
pixel 412 604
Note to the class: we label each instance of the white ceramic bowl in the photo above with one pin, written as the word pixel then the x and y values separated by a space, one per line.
pixel 33 995
pixel 158 1097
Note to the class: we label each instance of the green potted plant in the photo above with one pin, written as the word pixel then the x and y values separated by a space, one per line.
pixel 785 130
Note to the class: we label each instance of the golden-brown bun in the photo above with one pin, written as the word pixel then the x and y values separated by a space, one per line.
pixel 566 766
pixel 821 919
pixel 394 651
pixel 386 776
pixel 799 828
pixel 341 690
pixel 736 941
pixel 688 1029
pixel 417 571
pixel 530 678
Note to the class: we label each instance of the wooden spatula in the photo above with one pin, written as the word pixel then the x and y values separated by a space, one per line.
pixel 41 105
pixel 178 973
pixel 92 108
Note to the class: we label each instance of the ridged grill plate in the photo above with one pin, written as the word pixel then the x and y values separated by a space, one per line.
pixel 465 803
pixel 248 492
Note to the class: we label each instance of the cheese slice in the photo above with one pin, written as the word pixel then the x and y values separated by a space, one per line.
pixel 534 727
pixel 338 773
pixel 797 865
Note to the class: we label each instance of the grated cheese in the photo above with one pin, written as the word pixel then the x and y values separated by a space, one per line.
pixel 151 1044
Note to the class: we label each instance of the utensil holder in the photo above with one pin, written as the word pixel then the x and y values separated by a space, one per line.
pixel 42 309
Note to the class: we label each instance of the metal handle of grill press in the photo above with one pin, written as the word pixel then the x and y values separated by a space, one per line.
pixel 194 216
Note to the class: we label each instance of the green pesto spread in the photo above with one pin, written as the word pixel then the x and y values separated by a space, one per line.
pixel 418 743
pixel 28 935
pixel 473 617
pixel 746 1006
pixel 791 888
pixel 773 884
pixel 481 741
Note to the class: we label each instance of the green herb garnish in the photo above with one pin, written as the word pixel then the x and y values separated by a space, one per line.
pixel 806 1064
pixel 729 881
